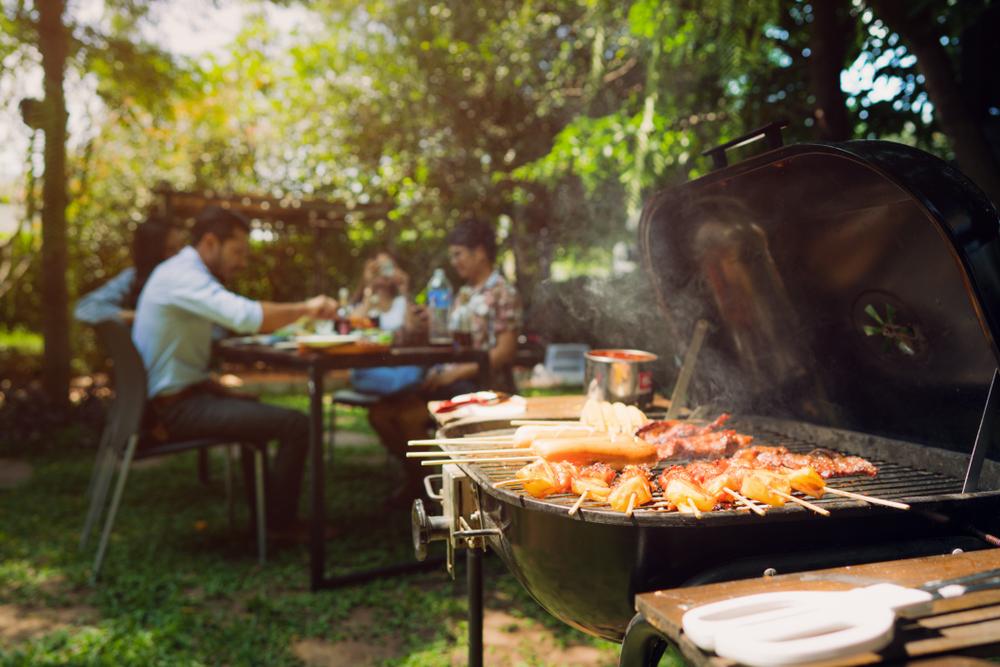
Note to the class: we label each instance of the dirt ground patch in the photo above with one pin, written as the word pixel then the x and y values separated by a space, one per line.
pixel 321 653
pixel 20 623
pixel 508 641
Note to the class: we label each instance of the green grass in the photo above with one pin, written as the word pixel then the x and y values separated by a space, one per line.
pixel 180 587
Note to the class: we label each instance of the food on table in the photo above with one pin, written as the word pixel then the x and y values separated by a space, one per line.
pixel 476 398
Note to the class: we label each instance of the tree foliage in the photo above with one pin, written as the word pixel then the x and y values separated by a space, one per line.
pixel 553 118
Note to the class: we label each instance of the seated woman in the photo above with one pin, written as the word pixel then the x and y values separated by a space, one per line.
pixel 493 309
pixel 382 298
pixel 154 241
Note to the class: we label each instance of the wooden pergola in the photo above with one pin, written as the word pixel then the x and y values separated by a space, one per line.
pixel 318 217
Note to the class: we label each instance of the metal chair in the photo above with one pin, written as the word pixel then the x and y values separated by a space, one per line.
pixel 119 445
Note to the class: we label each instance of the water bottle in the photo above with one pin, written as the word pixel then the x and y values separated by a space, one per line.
pixel 343 312
pixel 438 304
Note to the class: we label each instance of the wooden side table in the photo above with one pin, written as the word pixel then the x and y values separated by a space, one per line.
pixel 955 631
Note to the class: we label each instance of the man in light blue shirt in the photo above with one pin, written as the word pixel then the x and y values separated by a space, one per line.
pixel 182 301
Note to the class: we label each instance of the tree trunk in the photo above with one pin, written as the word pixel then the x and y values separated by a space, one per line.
pixel 916 27
pixel 828 39
pixel 53 43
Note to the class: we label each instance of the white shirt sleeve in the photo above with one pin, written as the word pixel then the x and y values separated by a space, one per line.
pixel 207 298
pixel 105 302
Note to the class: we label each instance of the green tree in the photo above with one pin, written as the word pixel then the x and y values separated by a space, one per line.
pixel 47 36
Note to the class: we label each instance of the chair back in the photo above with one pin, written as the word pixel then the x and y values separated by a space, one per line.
pixel 125 414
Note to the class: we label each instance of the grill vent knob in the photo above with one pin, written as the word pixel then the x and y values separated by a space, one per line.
pixel 770 572
pixel 426 529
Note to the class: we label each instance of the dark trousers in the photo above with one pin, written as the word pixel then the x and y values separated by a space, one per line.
pixel 403 417
pixel 210 415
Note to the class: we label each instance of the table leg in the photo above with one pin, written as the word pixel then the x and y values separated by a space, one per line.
pixel 317 547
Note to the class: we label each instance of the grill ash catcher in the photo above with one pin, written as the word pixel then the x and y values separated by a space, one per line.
pixel 852 293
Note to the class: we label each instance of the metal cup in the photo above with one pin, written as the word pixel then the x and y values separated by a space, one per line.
pixel 624 376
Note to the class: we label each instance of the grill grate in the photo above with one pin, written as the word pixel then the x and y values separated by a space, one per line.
pixel 894 481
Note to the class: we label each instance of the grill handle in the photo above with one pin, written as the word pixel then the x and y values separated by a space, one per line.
pixel 429 488
pixel 771 132
pixel 426 529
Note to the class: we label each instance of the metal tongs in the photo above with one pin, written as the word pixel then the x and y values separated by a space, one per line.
pixel 791 627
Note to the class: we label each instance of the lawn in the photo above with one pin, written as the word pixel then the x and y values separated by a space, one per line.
pixel 182 587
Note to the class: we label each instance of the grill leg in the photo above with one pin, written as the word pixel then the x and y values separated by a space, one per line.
pixel 474 567
pixel 643 645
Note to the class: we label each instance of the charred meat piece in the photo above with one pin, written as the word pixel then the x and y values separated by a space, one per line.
pixel 827 463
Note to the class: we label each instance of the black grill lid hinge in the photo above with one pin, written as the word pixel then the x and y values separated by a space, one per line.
pixel 985 437
pixel 771 132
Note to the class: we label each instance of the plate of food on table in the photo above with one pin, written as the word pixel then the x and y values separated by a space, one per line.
pixel 614 455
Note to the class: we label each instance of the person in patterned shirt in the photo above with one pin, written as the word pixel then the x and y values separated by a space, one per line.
pixel 488 308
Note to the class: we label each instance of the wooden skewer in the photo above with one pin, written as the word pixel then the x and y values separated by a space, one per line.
pixel 453 441
pixel 468 452
pixel 694 509
pixel 743 500
pixel 804 503
pixel 544 422
pixel 631 505
pixel 495 459
pixel 867 499
pixel 579 501
pixel 506 482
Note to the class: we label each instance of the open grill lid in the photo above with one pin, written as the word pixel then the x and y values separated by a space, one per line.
pixel 852 285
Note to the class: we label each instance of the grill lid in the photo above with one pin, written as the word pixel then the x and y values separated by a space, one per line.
pixel 852 285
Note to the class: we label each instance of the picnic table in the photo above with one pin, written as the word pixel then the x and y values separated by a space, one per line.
pixel 952 631
pixel 317 363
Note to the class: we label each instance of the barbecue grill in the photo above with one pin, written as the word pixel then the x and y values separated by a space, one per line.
pixel 853 297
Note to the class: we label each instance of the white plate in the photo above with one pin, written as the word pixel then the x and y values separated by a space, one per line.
pixel 326 340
